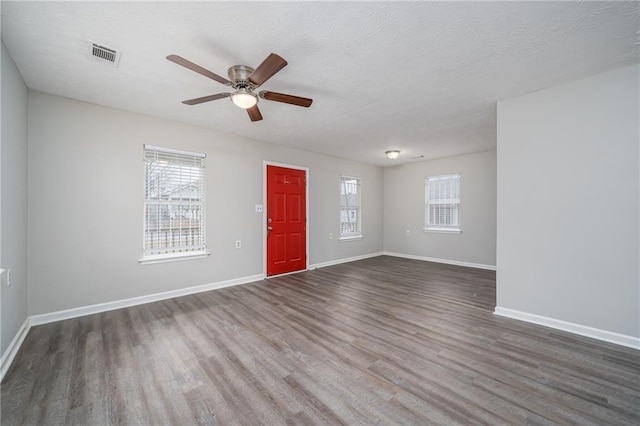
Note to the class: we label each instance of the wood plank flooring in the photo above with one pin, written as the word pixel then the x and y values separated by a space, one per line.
pixel 378 341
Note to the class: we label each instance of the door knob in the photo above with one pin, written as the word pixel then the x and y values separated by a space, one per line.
pixel 269 228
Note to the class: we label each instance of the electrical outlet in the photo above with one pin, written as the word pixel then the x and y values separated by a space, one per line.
pixel 238 244
pixel 8 277
pixel 330 235
pixel 408 233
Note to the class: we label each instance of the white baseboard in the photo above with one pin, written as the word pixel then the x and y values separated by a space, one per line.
pixel 124 303
pixel 447 261
pixel 12 349
pixel 345 260
pixel 582 330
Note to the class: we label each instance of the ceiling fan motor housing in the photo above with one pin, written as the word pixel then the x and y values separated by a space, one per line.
pixel 239 76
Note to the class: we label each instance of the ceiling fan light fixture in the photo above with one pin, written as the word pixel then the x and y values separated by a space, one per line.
pixel 244 99
pixel 392 154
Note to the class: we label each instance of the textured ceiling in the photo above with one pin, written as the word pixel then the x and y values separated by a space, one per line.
pixel 420 77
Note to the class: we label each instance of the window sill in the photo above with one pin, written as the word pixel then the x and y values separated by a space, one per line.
pixel 173 257
pixel 350 238
pixel 443 230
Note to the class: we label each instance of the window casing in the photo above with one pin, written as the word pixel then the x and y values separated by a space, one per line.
pixel 174 205
pixel 442 203
pixel 350 208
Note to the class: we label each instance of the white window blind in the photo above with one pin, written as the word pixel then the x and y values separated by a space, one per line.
pixel 442 203
pixel 350 210
pixel 174 203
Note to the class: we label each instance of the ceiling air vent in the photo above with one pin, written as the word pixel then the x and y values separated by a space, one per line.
pixel 104 54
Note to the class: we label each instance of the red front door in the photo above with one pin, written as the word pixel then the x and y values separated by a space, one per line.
pixel 286 220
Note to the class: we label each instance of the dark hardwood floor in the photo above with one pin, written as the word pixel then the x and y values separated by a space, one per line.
pixel 379 341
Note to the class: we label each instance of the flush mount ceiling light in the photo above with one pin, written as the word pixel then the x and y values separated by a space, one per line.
pixel 243 98
pixel 392 154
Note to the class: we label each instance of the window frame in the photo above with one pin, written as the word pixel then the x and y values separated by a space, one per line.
pixel 449 229
pixel 183 252
pixel 351 236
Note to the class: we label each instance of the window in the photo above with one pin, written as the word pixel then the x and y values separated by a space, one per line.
pixel 350 219
pixel 442 203
pixel 174 205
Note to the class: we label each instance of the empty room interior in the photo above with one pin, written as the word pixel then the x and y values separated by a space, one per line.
pixel 429 213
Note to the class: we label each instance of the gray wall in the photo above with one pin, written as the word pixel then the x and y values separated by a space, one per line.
pixel 85 204
pixel 568 196
pixel 404 195
pixel 13 196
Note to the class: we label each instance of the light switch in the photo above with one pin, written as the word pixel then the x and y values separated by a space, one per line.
pixel 258 208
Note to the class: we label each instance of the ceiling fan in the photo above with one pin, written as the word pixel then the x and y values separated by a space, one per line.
pixel 244 80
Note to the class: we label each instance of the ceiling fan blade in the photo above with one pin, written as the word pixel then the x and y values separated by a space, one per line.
pixel 267 69
pixel 197 68
pixel 206 98
pixel 287 99
pixel 254 113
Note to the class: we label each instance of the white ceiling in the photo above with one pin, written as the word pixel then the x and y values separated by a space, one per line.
pixel 420 77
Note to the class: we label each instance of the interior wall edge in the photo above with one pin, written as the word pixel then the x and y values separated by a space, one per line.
pixel 554 147
pixel 13 201
pixel 12 350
